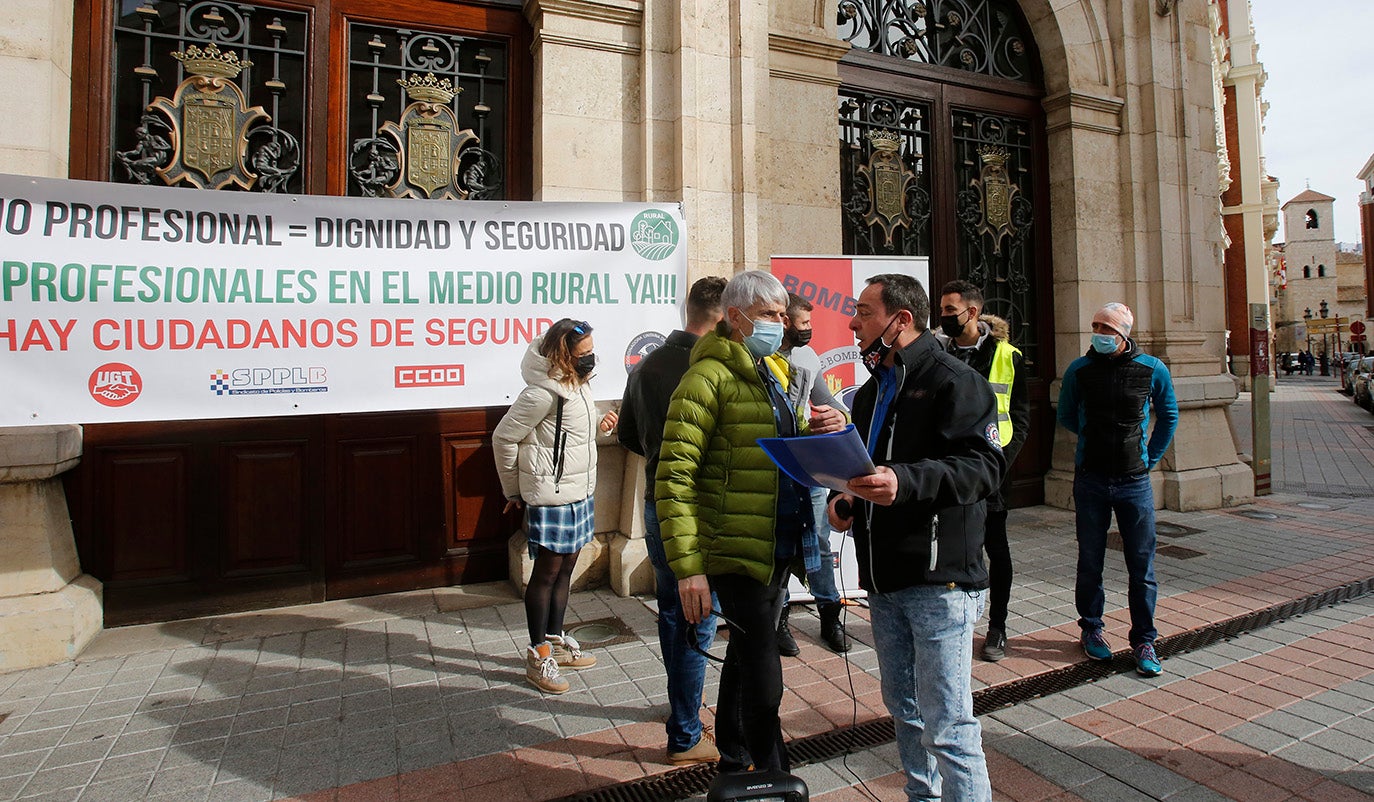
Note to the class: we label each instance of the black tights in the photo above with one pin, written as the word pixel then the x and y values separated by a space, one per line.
pixel 546 597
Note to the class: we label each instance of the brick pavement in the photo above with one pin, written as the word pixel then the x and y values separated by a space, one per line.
pixel 421 695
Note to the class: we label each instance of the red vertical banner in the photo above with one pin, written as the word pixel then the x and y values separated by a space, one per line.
pixel 828 283
pixel 832 284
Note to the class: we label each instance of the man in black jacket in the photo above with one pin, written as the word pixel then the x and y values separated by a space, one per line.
pixel 983 343
pixel 642 414
pixel 930 423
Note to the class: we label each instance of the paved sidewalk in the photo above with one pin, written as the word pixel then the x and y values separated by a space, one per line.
pixel 422 695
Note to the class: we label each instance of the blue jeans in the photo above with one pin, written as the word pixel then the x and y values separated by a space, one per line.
pixel 821 582
pixel 924 639
pixel 686 668
pixel 1095 498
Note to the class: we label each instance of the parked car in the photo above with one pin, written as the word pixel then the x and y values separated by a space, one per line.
pixel 1346 362
pixel 1361 382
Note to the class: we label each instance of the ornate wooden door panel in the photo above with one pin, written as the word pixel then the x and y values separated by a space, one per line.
pixel 196 517
pixel 267 515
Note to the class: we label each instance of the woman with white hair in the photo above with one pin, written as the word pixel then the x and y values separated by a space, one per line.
pixel 730 521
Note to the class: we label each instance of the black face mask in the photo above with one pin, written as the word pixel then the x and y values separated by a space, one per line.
pixel 798 337
pixel 950 325
pixel 585 365
pixel 875 353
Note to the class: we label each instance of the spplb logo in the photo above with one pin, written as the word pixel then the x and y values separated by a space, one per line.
pixel 653 234
pixel 115 384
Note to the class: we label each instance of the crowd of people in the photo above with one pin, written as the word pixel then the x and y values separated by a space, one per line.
pixel 943 415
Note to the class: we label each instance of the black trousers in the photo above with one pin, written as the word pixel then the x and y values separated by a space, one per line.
pixel 748 731
pixel 999 568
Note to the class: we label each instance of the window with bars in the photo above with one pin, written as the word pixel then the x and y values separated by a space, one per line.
pixel 320 111
pixel 271 41
pixel 981 36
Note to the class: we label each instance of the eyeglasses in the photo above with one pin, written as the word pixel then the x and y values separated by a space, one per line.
pixel 689 635
pixel 581 327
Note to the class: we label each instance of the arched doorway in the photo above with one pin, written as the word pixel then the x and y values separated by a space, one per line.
pixel 953 89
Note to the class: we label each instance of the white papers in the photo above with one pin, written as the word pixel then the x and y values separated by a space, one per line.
pixel 821 460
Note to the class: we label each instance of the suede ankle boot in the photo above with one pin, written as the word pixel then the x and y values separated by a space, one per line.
pixel 567 653
pixel 542 671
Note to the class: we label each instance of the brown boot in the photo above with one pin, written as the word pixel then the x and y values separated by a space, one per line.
pixel 568 653
pixel 704 751
pixel 542 671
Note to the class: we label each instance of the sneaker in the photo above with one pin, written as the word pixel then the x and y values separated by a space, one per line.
pixel 1095 646
pixel 995 647
pixel 702 752
pixel 1146 661
pixel 542 671
pixel 567 653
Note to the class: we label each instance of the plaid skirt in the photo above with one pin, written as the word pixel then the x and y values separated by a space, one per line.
pixel 562 530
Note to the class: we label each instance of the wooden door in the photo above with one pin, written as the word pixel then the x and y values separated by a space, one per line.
pixel 959 103
pixel 196 517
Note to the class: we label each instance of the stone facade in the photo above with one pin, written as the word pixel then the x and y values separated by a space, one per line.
pixel 731 110
pixel 1366 175
pixel 1316 273
pixel 49 610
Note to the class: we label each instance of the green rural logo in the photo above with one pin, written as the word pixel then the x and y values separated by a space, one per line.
pixel 653 234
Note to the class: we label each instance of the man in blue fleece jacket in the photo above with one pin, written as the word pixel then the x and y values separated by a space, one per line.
pixel 1108 398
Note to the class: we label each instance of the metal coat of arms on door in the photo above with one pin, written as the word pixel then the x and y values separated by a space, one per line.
pixel 418 155
pixel 209 121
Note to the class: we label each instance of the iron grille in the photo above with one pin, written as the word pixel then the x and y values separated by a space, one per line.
pixel 982 36
pixel 993 161
pixel 478 67
pixel 861 115
pixel 146 34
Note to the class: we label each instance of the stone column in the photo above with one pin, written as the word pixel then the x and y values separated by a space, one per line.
pixel 49 610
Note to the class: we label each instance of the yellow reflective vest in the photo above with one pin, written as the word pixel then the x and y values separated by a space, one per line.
pixel 1000 377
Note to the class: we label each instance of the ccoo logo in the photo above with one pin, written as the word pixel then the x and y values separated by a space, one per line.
pixel 115 384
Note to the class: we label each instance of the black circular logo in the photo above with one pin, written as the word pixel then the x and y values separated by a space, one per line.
pixel 641 346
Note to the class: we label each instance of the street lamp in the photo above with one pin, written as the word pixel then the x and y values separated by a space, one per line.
pixel 1307 318
pixel 1326 350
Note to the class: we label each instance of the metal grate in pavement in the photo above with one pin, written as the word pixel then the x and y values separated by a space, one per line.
pixel 602 632
pixel 696 780
pixel 1171 529
pixel 1179 552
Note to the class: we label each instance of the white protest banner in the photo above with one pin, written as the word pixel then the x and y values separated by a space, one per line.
pixel 123 303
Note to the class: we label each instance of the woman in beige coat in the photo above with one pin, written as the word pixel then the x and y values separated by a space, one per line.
pixel 546 457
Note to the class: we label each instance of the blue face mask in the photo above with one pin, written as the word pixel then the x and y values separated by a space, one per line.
pixel 766 339
pixel 1104 343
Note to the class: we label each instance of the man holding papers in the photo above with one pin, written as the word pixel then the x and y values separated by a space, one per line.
pixel 930 423
pixel 730 521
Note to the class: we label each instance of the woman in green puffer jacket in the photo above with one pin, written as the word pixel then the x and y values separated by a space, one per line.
pixel 730 522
